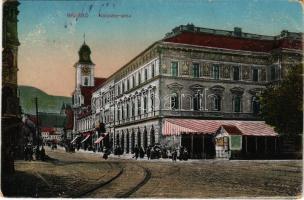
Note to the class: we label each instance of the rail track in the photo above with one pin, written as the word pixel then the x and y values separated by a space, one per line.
pixel 119 186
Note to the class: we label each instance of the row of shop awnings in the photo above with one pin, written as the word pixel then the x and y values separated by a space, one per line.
pixel 193 126
pixel 87 135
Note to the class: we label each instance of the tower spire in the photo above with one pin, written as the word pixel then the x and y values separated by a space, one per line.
pixel 83 38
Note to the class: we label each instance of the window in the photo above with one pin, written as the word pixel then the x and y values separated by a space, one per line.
pixel 197 101
pixel 133 81
pixel 174 101
pixel 255 105
pixel 133 109
pixel 174 68
pixel 216 71
pixel 123 87
pixel 139 78
pixel 146 74
pixel 118 113
pixel 138 107
pixel 145 105
pixel 128 110
pixel 255 75
pixel 152 102
pixel 86 81
pixel 237 104
pixel 236 73
pixel 195 70
pixel 152 71
pixel 118 89
pixel 272 73
pixel 128 84
pixel 216 103
pixel 122 112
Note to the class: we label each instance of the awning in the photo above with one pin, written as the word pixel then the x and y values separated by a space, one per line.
pixel 187 126
pixel 100 138
pixel 85 138
pixel 73 141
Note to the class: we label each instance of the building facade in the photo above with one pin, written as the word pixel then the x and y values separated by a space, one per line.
pixel 192 73
pixel 11 141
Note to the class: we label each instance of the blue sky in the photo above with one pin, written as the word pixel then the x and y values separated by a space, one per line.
pixel 50 39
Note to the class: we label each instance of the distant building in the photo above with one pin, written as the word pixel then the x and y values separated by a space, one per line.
pixel 184 88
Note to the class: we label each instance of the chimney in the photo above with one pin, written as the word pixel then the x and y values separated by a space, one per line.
pixel 238 31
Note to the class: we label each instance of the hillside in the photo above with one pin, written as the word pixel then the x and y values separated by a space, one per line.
pixel 46 103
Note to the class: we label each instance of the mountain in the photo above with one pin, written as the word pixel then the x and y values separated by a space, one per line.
pixel 46 103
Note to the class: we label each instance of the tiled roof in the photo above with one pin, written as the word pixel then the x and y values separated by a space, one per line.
pixel 87 91
pixel 235 43
pixel 250 128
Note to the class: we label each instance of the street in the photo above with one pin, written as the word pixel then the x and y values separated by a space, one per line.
pixel 87 175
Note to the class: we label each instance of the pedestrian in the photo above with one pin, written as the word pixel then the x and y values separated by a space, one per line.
pixel 174 155
pixel 136 151
pixel 148 152
pixel 42 154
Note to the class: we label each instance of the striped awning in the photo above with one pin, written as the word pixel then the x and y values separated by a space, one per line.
pixel 100 138
pixel 73 141
pixel 187 126
pixel 85 138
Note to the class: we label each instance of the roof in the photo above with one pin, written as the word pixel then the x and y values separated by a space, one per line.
pixel 235 43
pixel 232 130
pixel 87 91
pixel 47 129
pixel 249 128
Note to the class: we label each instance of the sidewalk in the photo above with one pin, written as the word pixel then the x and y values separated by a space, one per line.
pixel 169 160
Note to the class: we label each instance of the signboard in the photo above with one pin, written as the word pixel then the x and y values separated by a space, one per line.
pixel 235 142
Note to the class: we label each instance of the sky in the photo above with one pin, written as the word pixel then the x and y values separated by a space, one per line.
pixel 51 35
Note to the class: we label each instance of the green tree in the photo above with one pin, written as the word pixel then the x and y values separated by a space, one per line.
pixel 282 104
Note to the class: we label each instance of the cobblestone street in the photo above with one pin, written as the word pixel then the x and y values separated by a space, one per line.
pixel 87 175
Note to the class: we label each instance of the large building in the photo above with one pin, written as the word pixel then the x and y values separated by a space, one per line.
pixel 11 112
pixel 198 88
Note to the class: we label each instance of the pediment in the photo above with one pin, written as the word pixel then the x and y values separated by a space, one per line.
pixel 255 91
pixel 237 90
pixel 175 86
pixel 196 87
pixel 217 88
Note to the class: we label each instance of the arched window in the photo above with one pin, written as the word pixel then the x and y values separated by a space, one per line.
pixel 174 101
pixel 237 104
pixel 152 102
pixel 152 136
pixel 255 105
pixel 127 142
pixel 145 138
pixel 216 103
pixel 138 138
pixel 197 100
pixel 132 141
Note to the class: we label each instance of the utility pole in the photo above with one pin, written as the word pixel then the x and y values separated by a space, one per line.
pixel 37 123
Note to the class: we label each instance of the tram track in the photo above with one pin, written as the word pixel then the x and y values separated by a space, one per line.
pixel 122 185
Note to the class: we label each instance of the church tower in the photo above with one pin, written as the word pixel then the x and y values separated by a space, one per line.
pixel 84 67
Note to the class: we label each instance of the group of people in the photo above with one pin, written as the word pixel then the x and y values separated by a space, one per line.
pixel 29 151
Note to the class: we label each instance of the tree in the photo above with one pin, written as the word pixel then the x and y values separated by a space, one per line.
pixel 282 104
